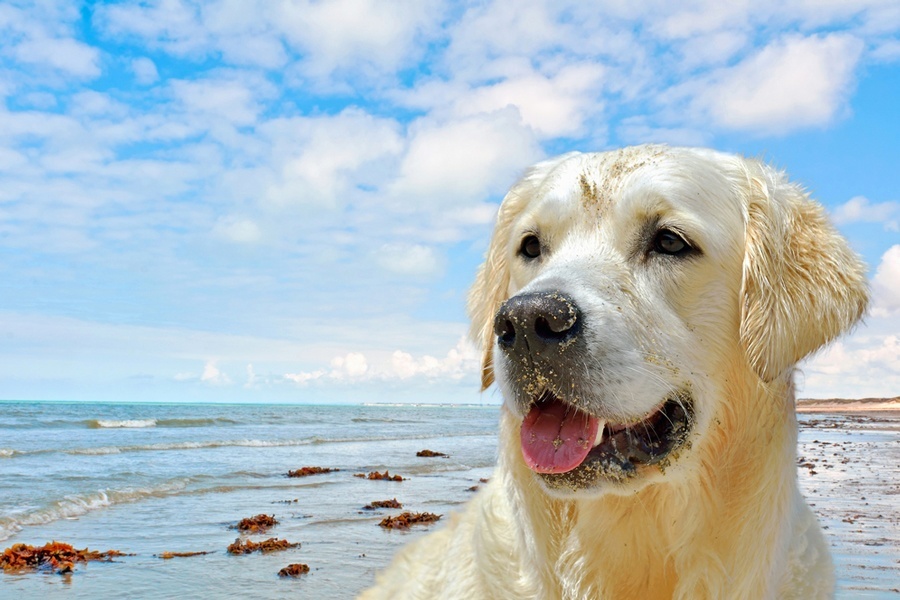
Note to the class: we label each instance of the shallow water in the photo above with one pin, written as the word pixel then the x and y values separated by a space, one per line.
pixel 147 479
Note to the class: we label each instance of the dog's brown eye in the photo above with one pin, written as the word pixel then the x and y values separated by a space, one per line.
pixel 531 247
pixel 669 242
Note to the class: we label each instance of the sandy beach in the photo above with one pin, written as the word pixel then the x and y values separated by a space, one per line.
pixel 840 405
pixel 157 480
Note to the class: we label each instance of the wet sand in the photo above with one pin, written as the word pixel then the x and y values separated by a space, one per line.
pixel 848 470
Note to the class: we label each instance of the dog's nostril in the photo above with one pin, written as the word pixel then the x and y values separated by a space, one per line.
pixel 547 331
pixel 553 329
pixel 506 333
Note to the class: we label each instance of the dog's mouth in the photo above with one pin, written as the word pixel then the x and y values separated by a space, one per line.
pixel 570 447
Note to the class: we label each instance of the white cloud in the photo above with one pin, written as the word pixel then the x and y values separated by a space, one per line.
pixel 252 378
pixel 145 72
pixel 237 229
pixel 792 83
pixel 354 365
pixel 213 376
pixel 408 259
pixel 357 35
pixel 865 364
pixel 304 378
pixel 461 361
pixel 553 106
pixel 886 284
pixel 459 162
pixel 67 55
pixel 218 99
pixel 860 210
pixel 325 160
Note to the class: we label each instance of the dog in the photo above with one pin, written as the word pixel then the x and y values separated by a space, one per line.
pixel 642 312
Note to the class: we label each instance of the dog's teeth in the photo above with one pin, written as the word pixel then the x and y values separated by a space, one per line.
pixel 600 429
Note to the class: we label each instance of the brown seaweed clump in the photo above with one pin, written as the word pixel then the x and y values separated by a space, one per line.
pixel 404 520
pixel 269 545
pixel 55 556
pixel 306 471
pixel 430 454
pixel 376 476
pixel 168 555
pixel 294 570
pixel 383 504
pixel 257 524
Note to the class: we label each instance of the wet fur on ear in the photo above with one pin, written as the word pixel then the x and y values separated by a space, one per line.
pixel 802 284
pixel 491 287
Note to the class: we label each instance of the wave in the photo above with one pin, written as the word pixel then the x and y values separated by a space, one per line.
pixel 123 424
pixel 78 505
pixel 143 423
pixel 175 446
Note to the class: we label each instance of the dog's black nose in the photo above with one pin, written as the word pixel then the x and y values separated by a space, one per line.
pixel 532 323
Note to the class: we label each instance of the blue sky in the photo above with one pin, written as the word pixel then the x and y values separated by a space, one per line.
pixel 286 200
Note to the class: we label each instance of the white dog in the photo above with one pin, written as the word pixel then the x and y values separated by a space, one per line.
pixel 642 312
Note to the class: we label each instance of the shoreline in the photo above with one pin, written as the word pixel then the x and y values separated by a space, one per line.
pixel 863 405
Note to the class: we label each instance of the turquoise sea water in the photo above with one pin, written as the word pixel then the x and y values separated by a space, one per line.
pixel 147 479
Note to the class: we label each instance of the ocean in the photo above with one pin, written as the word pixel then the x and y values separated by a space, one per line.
pixel 146 479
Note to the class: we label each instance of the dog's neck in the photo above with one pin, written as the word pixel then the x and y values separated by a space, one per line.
pixel 644 545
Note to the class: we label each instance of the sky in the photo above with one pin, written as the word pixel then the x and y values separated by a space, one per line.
pixel 286 201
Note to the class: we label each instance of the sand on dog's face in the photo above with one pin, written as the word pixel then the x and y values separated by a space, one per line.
pixel 655 325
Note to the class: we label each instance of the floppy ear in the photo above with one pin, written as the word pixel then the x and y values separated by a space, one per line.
pixel 491 287
pixel 802 284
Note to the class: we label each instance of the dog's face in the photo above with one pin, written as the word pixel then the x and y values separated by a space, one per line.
pixel 617 289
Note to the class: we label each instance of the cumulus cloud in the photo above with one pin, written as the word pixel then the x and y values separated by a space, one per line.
pixel 353 365
pixel 231 100
pixel 409 259
pixel 326 160
pixel 213 376
pixel 461 361
pixel 237 229
pixel 145 72
pixel 886 284
pixel 860 210
pixel 867 364
pixel 555 105
pixel 461 161
pixel 361 36
pixel 792 83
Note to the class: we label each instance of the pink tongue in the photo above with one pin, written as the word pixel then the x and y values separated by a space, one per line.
pixel 556 438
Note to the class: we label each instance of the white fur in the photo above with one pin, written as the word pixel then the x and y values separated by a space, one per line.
pixel 725 519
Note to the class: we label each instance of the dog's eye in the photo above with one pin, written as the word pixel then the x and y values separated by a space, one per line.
pixel 531 246
pixel 669 242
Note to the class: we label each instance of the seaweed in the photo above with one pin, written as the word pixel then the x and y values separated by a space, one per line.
pixel 376 476
pixel 168 555
pixel 306 471
pixel 294 570
pixel 405 520
pixel 383 504
pixel 269 545
pixel 257 524
pixel 55 556
pixel 430 454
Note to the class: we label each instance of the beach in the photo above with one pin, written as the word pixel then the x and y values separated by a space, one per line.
pixel 153 479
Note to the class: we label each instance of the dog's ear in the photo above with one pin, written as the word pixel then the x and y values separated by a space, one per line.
pixel 491 287
pixel 802 284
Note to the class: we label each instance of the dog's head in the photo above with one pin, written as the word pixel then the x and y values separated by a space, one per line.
pixel 619 287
